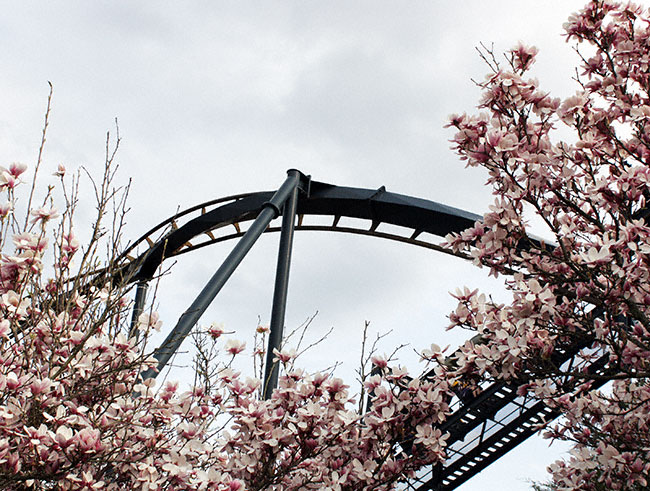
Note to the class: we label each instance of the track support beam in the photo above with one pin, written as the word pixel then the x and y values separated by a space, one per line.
pixel 272 369
pixel 138 306
pixel 190 317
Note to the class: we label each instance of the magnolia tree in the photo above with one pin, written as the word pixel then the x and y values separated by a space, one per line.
pixel 76 414
pixel 588 285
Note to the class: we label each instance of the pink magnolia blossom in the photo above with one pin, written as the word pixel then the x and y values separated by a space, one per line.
pixel 234 346
pixel 16 169
pixel 284 356
pixel 43 214
pixel 5 209
pixel 60 171
pixel 216 330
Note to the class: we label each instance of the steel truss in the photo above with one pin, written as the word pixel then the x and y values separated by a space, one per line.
pixel 497 420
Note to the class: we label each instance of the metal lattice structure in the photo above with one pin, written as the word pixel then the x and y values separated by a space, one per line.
pixel 481 431
pixel 496 421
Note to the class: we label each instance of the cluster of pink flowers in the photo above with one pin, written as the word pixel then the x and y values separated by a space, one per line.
pixel 589 286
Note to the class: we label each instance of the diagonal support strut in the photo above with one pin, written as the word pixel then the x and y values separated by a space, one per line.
pixel 190 317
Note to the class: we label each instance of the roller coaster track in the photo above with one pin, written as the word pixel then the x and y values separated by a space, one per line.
pixel 496 421
pixel 423 222
pixel 481 431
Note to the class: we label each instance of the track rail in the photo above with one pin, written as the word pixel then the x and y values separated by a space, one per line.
pixel 497 420
pixel 422 223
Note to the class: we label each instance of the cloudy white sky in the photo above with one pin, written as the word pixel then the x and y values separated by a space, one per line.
pixel 216 98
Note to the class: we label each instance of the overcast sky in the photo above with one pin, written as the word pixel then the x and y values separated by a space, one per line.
pixel 216 98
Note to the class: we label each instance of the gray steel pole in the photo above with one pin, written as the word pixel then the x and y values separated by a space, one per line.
pixel 280 292
pixel 190 317
pixel 138 306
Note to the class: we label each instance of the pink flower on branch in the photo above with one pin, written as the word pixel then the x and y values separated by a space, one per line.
pixel 43 215
pixel 234 347
pixel 284 356
pixel 60 171
pixel 523 57
pixel 16 169
pixel 5 209
pixel 216 330
pixel 9 178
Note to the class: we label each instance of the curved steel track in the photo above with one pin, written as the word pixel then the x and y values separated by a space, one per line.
pixel 422 222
